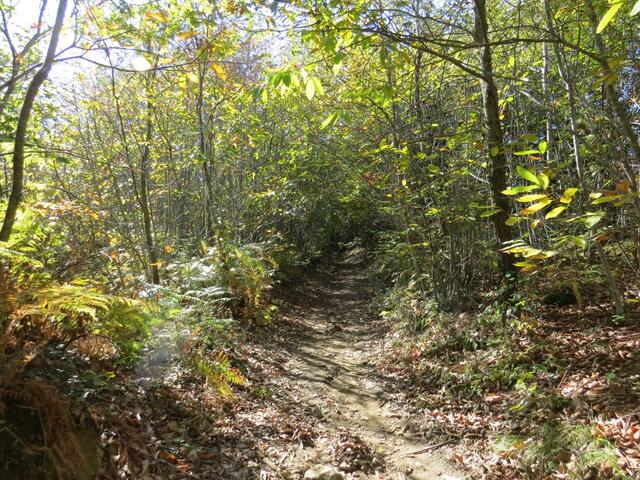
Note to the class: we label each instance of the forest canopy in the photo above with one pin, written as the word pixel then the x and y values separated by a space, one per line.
pixel 179 161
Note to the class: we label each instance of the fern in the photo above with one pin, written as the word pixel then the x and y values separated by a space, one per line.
pixel 124 322
pixel 69 303
pixel 244 272
pixel 230 280
pixel 217 371
pixel 51 312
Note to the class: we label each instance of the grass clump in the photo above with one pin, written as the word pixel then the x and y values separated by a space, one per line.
pixel 560 448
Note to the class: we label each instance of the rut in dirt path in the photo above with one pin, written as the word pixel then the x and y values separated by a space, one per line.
pixel 332 371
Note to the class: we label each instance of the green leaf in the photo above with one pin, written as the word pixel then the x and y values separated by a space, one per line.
pixel 517 190
pixel 310 88
pixel 319 87
pixel 532 198
pixel 606 199
pixel 542 147
pixel 313 87
pixel 511 221
pixel 527 175
pixel 276 79
pixel 286 79
pixel 256 93
pixel 544 180
pixel 609 16
pixel 523 153
pixel 579 241
pixel 555 212
pixel 591 219
pixel 493 151
pixel 331 120
pixel 489 213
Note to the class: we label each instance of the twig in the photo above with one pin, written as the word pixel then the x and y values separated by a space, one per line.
pixel 431 447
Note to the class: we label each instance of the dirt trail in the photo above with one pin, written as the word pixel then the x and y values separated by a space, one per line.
pixel 331 372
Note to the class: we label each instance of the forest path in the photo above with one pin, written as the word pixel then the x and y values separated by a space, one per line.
pixel 332 372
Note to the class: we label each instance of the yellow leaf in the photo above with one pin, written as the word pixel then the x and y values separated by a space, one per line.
pixel 168 249
pixel 608 16
pixel 532 197
pixel 555 212
pixel 606 199
pixel 186 35
pixel 528 252
pixel 156 16
pixel 568 194
pixel 535 207
pixel 220 72
pixel 192 77
pixel 544 180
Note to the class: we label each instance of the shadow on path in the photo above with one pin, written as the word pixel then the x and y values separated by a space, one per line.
pixel 332 370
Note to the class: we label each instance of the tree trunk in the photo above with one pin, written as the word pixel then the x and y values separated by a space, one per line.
pixel 495 139
pixel 204 155
pixel 11 84
pixel 563 70
pixel 144 187
pixel 548 103
pixel 17 183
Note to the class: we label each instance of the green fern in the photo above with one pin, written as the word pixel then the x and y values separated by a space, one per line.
pixel 244 271
pixel 54 312
pixel 217 371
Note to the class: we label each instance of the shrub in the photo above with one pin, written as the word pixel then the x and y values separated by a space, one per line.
pixel 227 280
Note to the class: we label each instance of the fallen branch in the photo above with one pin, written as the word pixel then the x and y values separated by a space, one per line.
pixel 431 447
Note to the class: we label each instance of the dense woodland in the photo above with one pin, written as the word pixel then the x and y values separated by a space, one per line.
pixel 185 184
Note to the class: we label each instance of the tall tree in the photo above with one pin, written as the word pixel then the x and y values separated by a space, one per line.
pixel 494 136
pixel 17 182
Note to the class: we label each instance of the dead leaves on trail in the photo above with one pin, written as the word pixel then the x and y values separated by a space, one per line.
pixel 350 454
pixel 566 405
pixel 166 433
pixel 624 433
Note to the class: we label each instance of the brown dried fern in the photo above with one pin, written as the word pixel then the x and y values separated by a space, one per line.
pixel 57 424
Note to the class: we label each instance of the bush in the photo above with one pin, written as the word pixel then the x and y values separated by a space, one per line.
pixel 574 451
pixel 227 280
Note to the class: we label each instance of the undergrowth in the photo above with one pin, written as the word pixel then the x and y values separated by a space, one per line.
pixel 210 298
pixel 566 449
pixel 37 314
pixel 226 280
pixel 511 365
